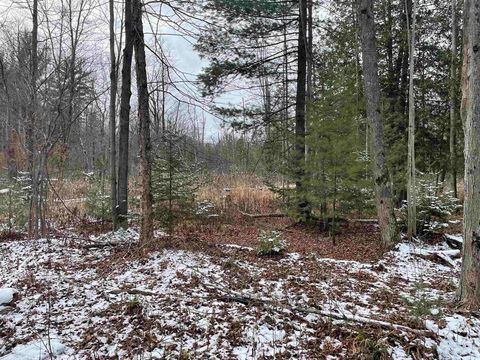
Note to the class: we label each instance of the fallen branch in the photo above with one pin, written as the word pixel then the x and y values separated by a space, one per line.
pixel 439 257
pixel 268 215
pixel 364 221
pixel 133 292
pixel 101 245
pixel 436 258
pixel 246 300
pixel 455 242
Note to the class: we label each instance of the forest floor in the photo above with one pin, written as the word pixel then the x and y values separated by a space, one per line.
pixel 206 294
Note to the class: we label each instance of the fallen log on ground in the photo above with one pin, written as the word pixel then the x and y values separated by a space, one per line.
pixel 268 215
pixel 364 221
pixel 133 292
pixel 436 258
pixel 332 315
pixel 100 245
pixel 247 300
pixel 455 242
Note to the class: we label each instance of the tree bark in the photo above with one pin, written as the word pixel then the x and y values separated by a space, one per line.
pixel 30 128
pixel 146 230
pixel 465 62
pixel 302 204
pixel 34 215
pixel 411 188
pixel 310 51
pixel 112 116
pixel 124 132
pixel 386 215
pixel 452 102
pixel 469 290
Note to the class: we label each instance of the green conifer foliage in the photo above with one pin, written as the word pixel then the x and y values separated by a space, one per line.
pixel 174 183
pixel 338 166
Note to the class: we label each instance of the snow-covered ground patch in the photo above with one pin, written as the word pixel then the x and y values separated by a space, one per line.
pixel 6 295
pixel 105 302
pixel 42 349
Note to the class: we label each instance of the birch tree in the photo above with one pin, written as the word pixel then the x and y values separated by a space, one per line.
pixel 385 210
pixel 469 290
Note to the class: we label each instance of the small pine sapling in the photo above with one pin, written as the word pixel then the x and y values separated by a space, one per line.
pixel 98 203
pixel 174 184
pixel 14 204
pixel 271 243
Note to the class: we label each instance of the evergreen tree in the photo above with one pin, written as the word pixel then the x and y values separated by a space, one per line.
pixel 174 183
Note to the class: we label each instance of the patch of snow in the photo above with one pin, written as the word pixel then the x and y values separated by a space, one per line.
pixel 235 246
pixel 460 338
pixel 397 353
pixel 458 238
pixel 37 350
pixel 6 295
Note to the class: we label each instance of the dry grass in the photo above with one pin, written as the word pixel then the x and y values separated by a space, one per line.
pixel 239 192
pixel 66 202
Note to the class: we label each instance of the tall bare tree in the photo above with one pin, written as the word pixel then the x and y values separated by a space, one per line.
pixel 124 131
pixel 300 102
pixel 146 230
pixel 469 290
pixel 411 187
pixel 385 210
pixel 453 97
pixel 30 132
pixel 112 114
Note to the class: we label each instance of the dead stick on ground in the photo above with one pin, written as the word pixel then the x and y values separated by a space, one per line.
pixel 255 301
pixel 133 292
pixel 256 216
pixel 328 314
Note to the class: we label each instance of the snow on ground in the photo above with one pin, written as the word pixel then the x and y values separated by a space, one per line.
pixel 108 303
pixel 6 295
pixel 42 349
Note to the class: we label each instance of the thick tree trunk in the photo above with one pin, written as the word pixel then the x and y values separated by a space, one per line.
pixel 386 215
pixel 112 116
pixel 452 102
pixel 411 188
pixel 124 133
pixel 302 204
pixel 146 230
pixel 469 290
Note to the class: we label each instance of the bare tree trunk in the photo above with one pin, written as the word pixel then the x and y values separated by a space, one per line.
pixel 385 210
pixel 310 51
pixel 163 97
pixel 124 132
pixel 302 204
pixel 469 290
pixel 146 230
pixel 411 188
pixel 452 102
pixel 465 61
pixel 30 128
pixel 112 116
pixel 8 148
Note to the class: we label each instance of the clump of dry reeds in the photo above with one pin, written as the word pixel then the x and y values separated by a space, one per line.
pixel 241 192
